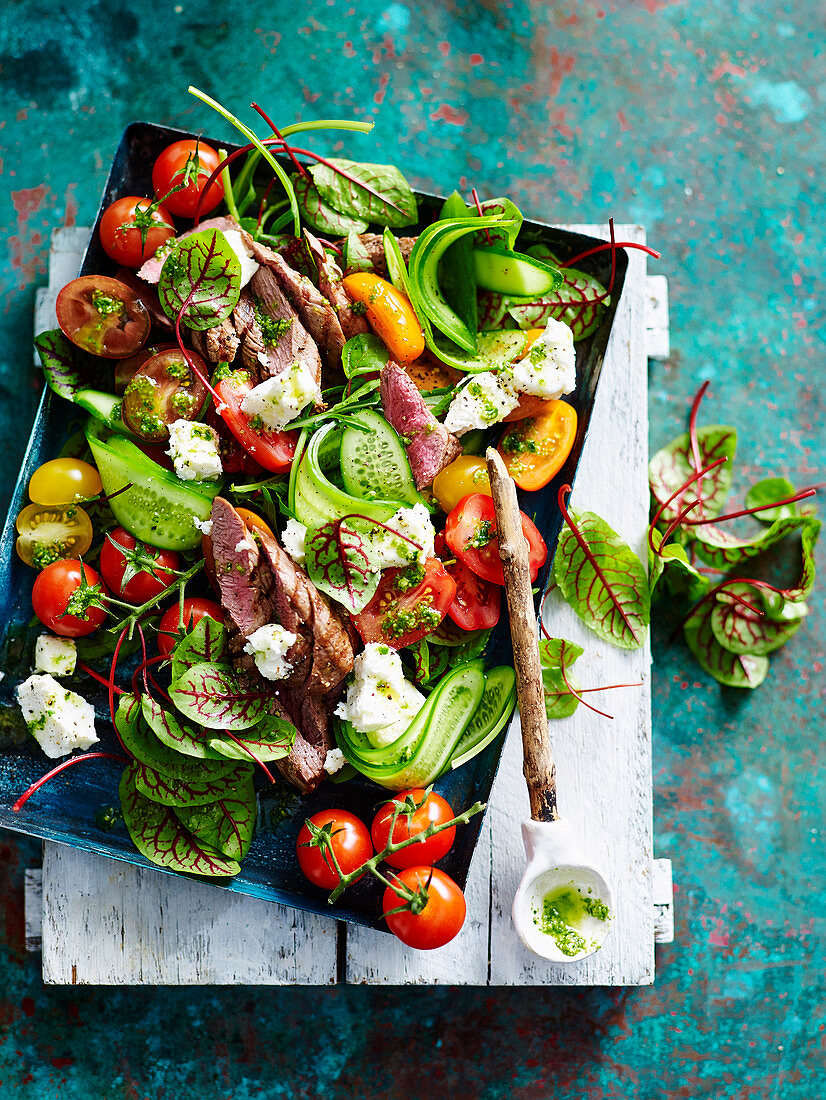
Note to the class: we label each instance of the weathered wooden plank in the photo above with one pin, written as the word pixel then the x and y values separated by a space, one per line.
pixel 657 337
pixel 33 908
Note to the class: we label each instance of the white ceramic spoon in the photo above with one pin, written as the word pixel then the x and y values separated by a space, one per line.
pixel 557 857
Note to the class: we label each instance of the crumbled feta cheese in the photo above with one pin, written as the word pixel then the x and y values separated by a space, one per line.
pixel 549 368
pixel 248 264
pixel 244 544
pixel 203 525
pixel 59 720
pixel 486 399
pixel 279 400
pixel 334 761
pixel 268 646
pixel 380 702
pixel 193 448
pixel 54 655
pixel 292 539
pixel 414 523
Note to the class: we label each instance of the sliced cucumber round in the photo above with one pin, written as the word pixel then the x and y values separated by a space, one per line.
pixel 374 462
pixel 491 716
pixel 513 273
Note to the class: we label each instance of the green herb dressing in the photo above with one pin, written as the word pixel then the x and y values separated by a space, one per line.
pixel 563 911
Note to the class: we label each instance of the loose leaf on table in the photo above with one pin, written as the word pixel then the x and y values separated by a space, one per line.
pixel 159 835
pixel 603 580
pixel 211 695
pixel 740 630
pixel 560 701
pixel 718 547
pixel 505 234
pixel 141 743
pixel 343 564
pixel 270 739
pixel 201 280
pixel 204 643
pixel 177 735
pixel 316 213
pixel 66 368
pixel 673 465
pixel 363 354
pixel 226 825
pixel 356 256
pixel 769 491
pixel 670 568
pixel 743 670
pixel 197 792
pixel 379 193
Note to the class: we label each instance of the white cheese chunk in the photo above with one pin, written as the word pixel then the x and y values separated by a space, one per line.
pixel 415 547
pixel 549 368
pixel 292 539
pixel 54 655
pixel 268 646
pixel 193 448
pixel 279 400
pixel 248 265
pixel 59 720
pixel 334 761
pixel 203 525
pixel 486 399
pixel 245 544
pixel 380 702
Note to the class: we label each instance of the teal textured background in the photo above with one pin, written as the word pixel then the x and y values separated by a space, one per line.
pixel 703 123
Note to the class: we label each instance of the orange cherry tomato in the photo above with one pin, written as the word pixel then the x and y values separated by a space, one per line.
pixel 390 314
pixel 254 521
pixel 465 474
pixel 535 449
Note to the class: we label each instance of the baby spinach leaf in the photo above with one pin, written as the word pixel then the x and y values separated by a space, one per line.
pixel 603 580
pixel 379 193
pixel 672 466
pixel 560 701
pixel 204 643
pixel 720 548
pixel 141 743
pixel 159 835
pixel 226 826
pixel 672 569
pixel 356 256
pixel 67 369
pixel 743 670
pixel 270 739
pixel 741 630
pixel 189 740
pixel 201 280
pixel 363 354
pixel 343 564
pixel 211 695
pixel 178 793
pixel 316 213
pixel 768 491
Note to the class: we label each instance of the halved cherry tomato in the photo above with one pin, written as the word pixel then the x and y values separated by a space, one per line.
pixel 349 840
pixel 49 532
pixel 102 316
pixel 439 921
pixel 164 389
pixel 476 603
pixel 234 459
pixel 120 561
pixel 408 605
pixel 470 532
pixel 465 474
pixel 432 810
pixel 63 481
pixel 535 449
pixel 196 161
pixel 56 586
pixel 195 608
pixel 390 315
pixel 126 245
pixel 528 406
pixel 272 450
pixel 126 369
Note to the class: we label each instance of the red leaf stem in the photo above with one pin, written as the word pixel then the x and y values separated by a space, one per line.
pixel 675 523
pixel 802 495
pixel 97 676
pixel 23 799
pixel 677 492
pixel 302 171
pixel 479 208
pixel 341 172
pixel 251 755
pixel 604 248
pixel 112 671
pixel 692 430
pixel 191 362
pixel 575 694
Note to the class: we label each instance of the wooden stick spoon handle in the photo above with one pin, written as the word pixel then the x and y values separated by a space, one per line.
pixel 539 767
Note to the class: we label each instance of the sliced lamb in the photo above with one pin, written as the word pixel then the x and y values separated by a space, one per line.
pixel 430 446
pixel 310 714
pixel 150 272
pixel 374 246
pixel 329 283
pixel 268 357
pixel 217 345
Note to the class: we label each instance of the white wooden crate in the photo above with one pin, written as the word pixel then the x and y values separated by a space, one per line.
pixel 105 922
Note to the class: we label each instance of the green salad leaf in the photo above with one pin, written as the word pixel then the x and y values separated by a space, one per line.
pixel 768 491
pixel 557 656
pixel 201 280
pixel 343 564
pixel 356 256
pixel 720 548
pixel 741 630
pixel 227 826
pixel 673 465
pixel 319 215
pixel 270 739
pixel 378 193
pixel 204 643
pixel 670 568
pixel 741 670
pixel 67 369
pixel 144 745
pixel 183 738
pixel 193 792
pixel 211 695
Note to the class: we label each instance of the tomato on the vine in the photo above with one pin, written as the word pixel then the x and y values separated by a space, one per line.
pixel 132 231
pixel 349 840
pixel 66 596
pixel 272 450
pixel 417 814
pixel 470 532
pixel 438 920
pixel 409 604
pixel 195 608
pixel 128 569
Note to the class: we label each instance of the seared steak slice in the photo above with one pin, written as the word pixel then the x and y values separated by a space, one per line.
pixel 429 445
pixel 374 246
pixel 310 714
pixel 268 354
pixel 329 283
pixel 150 272
pixel 217 345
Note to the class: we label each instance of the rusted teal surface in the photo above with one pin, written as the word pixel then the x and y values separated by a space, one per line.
pixel 703 122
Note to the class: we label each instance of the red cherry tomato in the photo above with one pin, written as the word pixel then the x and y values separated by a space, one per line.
pixel 272 450
pixel 476 603
pixel 119 553
pixel 408 605
pixel 198 161
pixel 350 842
pixel 102 316
pixel 164 389
pixel 53 589
pixel 126 246
pixel 433 810
pixel 439 921
pixel 194 610
pixel 470 532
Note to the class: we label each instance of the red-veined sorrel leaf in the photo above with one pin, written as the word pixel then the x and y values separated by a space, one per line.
pixel 212 696
pixel 356 256
pixel 743 670
pixel 506 234
pixel 201 280
pixel 183 738
pixel 603 580
pixel 158 834
pixel 140 742
pixel 769 491
pixel 318 215
pixel 718 547
pixel 560 700
pixel 270 739
pixel 671 569
pixel 673 465
pixel 196 792
pixel 491 310
pixel 343 564
pixel 226 825
pixel 205 643
pixel 68 369
pixel 379 193
pixel 578 302
pixel 739 629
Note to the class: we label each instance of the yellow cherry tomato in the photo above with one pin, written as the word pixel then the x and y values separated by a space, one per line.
pixel 390 314
pixel 50 532
pixel 466 474
pixel 63 481
pixel 534 450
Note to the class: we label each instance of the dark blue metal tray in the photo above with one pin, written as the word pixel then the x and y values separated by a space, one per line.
pixel 66 809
